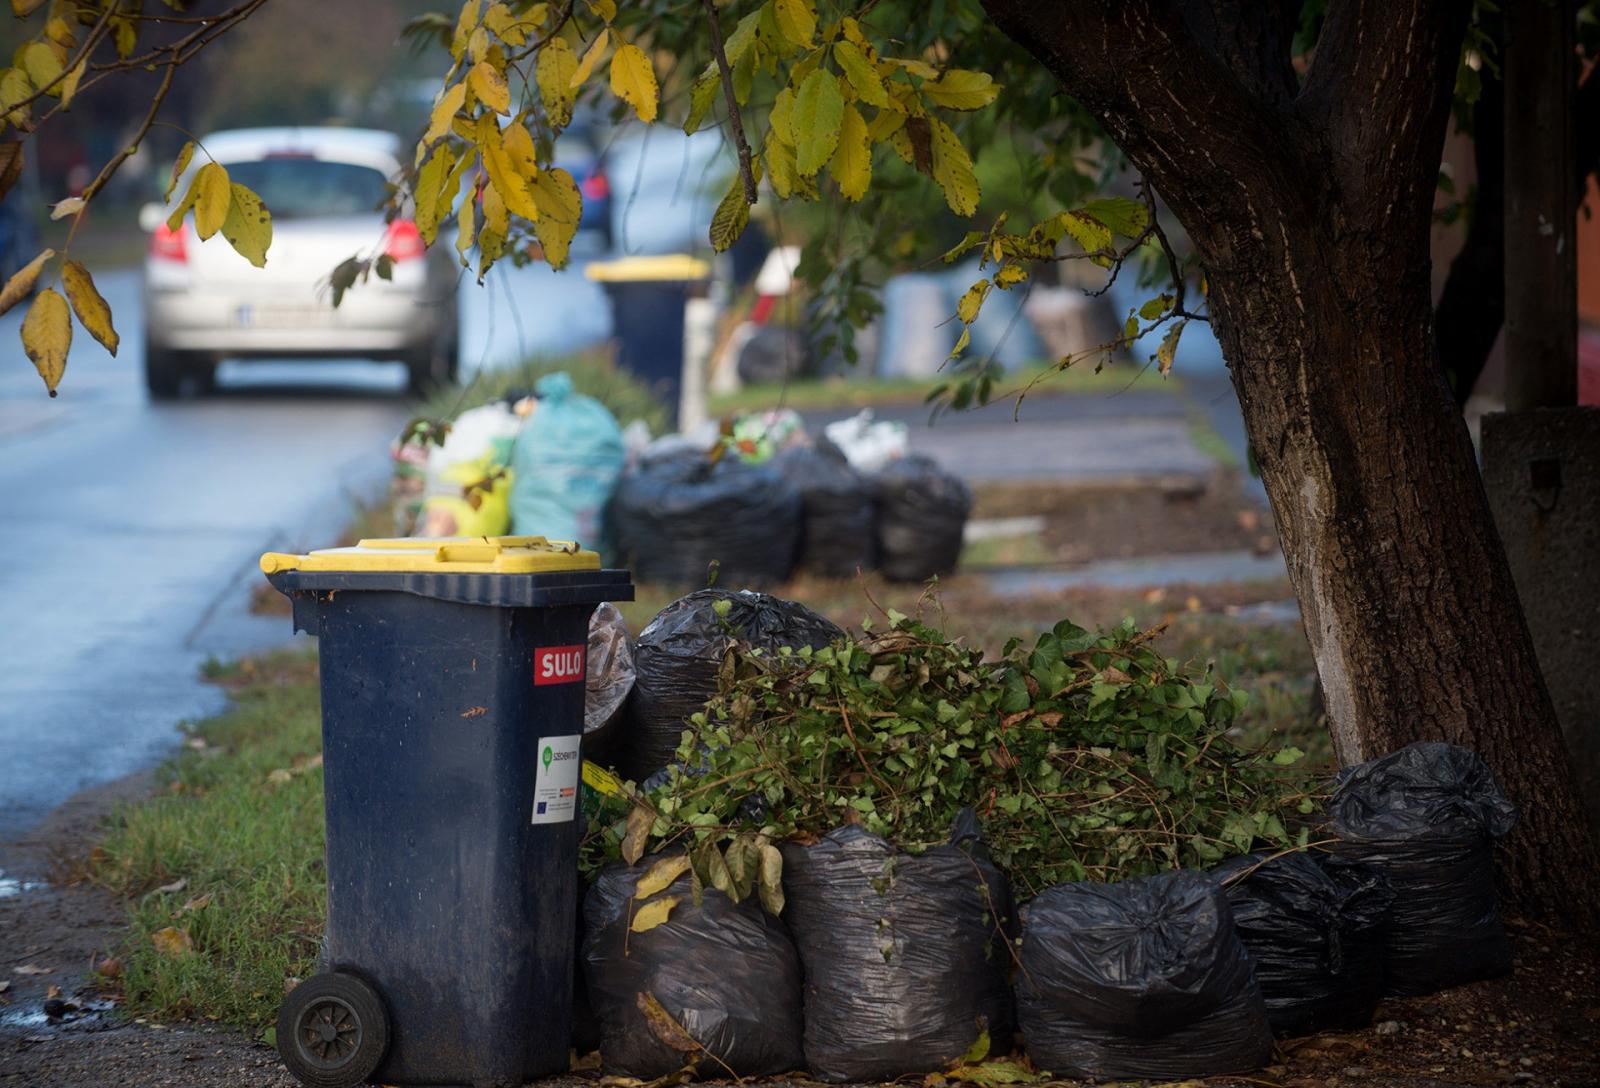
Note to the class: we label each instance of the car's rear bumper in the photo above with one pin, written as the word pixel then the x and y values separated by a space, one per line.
pixel 368 323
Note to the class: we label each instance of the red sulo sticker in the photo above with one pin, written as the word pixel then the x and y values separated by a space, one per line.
pixel 558 665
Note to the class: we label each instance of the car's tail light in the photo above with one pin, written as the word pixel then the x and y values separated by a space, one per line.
pixel 404 241
pixel 169 244
pixel 597 186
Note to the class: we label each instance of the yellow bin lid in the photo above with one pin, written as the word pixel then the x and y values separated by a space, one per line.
pixel 665 266
pixel 452 555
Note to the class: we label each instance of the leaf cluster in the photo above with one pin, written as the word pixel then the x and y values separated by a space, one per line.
pixel 1088 756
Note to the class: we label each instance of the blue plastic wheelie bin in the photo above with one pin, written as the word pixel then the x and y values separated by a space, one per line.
pixel 452 712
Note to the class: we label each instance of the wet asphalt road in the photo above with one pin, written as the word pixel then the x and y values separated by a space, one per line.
pixel 131 530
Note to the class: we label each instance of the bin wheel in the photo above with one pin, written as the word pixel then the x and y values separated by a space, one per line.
pixel 332 1031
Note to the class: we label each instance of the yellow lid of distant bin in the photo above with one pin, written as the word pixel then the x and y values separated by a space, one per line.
pixel 666 266
pixel 451 555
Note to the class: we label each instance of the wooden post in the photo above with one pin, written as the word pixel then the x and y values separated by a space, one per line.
pixel 1540 198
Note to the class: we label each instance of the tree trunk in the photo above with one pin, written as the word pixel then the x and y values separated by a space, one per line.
pixel 1310 209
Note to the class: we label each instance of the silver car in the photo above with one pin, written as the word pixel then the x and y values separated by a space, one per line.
pixel 203 302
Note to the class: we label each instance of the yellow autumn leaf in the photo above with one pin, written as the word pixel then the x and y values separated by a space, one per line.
pixel 952 169
pixel 93 312
pixel 506 26
pixel 702 93
pixel 730 218
pixel 972 301
pixel 818 110
pixel 24 8
pixel 851 165
pixel 248 226
pixel 14 89
pixel 178 167
pixel 553 74
pixel 634 81
pixel 863 77
pixel 560 209
pixel 213 193
pixel 797 20
pixel 467 234
pixel 444 110
pixel 425 197
pixel 653 913
pixel 1009 276
pixel 490 86
pixel 518 142
pixel 606 9
pixel 20 285
pixel 959 89
pixel 69 82
pixel 47 336
pixel 780 165
pixel 770 880
pixel 41 64
pixel 495 216
pixel 502 172
pixel 172 942
pixel 591 57
pixel 659 877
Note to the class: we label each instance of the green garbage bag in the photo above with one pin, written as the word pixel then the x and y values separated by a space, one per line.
pixel 565 465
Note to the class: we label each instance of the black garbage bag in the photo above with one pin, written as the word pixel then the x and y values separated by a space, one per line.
pixel 609 681
pixel 1426 817
pixel 773 354
pixel 677 655
pixel 727 973
pixel 922 512
pixel 905 955
pixel 1146 978
pixel 1316 933
pixel 674 516
pixel 837 534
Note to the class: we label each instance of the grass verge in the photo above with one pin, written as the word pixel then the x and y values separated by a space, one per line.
pixel 845 393
pixel 222 868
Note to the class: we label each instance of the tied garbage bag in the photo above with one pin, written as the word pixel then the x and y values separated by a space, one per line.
pixel 726 972
pixel 836 539
pixel 675 516
pixel 609 680
pixel 1316 932
pixel 1146 978
pixel 677 656
pixel 905 955
pixel 1426 817
pixel 567 459
pixel 922 512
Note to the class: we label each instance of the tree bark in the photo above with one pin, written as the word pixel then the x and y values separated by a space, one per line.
pixel 1310 209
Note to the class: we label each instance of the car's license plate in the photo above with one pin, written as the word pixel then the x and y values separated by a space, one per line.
pixel 282 316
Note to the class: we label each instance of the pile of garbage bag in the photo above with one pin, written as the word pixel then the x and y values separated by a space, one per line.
pixel 1426 817
pixel 838 535
pixel 678 654
pixel 1146 978
pixel 905 955
pixel 881 963
pixel 726 972
pixel 1316 930
pixel 566 462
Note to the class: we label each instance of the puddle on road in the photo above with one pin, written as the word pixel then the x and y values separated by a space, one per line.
pixel 78 1013
pixel 10 885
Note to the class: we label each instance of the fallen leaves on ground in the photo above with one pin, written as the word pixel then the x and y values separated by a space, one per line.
pixel 172 941
pixel 32 969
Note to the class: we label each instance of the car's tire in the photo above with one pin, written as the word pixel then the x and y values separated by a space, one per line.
pixel 332 1031
pixel 163 373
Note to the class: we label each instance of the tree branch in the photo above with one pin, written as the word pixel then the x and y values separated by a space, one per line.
pixel 1374 61
pixel 746 171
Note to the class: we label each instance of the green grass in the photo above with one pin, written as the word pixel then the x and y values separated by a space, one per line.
pixel 227 827
pixel 845 393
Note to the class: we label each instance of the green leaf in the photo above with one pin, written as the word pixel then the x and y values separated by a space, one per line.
pixel 1118 214
pixel 952 168
pixel 732 214
pixel 702 94
pixel 818 113
pixel 961 90
pixel 1284 757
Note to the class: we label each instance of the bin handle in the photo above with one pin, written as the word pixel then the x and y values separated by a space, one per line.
pixel 467 553
pixel 273 562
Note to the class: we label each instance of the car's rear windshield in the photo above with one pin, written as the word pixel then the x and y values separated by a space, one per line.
pixel 301 188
